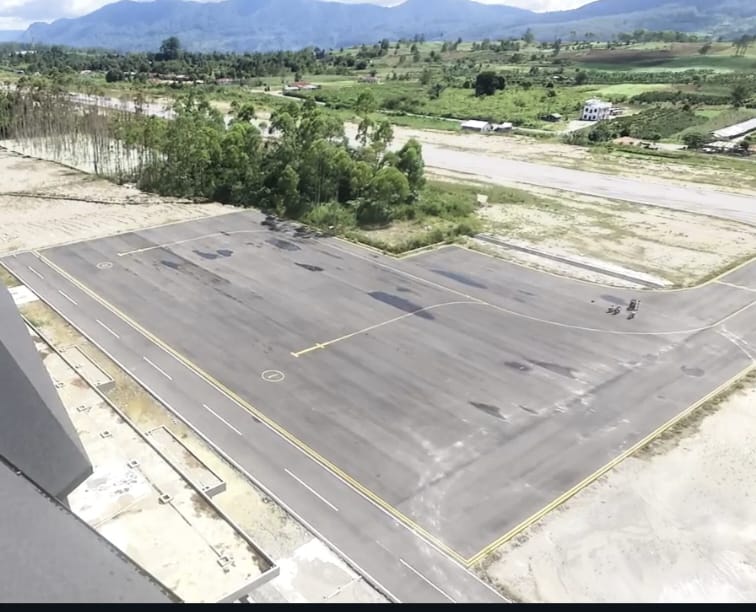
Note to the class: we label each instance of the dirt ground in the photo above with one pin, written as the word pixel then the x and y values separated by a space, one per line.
pixel 674 246
pixel 43 204
pixel 676 523
pixel 179 542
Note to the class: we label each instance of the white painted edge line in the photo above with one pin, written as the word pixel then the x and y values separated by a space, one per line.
pixel 35 272
pixel 68 297
pixel 163 372
pixel 734 286
pixel 108 329
pixel 412 569
pixel 313 491
pixel 220 418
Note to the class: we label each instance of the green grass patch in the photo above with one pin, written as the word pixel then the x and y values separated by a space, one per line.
pixel 443 213
pixel 7 279
pixel 718 119
pixel 657 123
pixel 629 89
pixel 518 105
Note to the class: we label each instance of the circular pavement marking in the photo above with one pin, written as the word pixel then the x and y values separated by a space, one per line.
pixel 273 376
pixel 104 265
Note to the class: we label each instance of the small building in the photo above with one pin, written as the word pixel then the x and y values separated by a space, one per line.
pixel 596 110
pixel 301 86
pixel 737 130
pixel 304 85
pixel 473 125
pixel 552 117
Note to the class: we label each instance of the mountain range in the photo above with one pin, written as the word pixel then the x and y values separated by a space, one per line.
pixel 264 25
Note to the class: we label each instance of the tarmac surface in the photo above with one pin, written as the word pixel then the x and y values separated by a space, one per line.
pixel 412 412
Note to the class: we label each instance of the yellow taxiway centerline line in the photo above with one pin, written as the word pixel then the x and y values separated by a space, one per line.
pixel 364 330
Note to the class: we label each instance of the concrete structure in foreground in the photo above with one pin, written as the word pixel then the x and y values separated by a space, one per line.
pixel 47 554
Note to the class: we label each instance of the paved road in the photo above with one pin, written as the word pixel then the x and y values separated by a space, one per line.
pixel 495 169
pixel 698 199
pixel 552 386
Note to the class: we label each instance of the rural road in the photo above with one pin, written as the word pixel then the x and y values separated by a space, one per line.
pixel 500 170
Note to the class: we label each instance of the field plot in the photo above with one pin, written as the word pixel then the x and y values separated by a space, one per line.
pixel 464 393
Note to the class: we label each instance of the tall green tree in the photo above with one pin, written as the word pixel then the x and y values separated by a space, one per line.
pixel 410 163
pixel 739 95
pixel 170 48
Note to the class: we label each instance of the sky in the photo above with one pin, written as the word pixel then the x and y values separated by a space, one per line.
pixel 18 14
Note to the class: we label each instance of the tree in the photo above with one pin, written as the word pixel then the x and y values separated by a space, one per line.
pixel 389 186
pixel 581 77
pixel 528 36
pixel 695 140
pixel 410 162
pixel 705 49
pixel 113 76
pixel 739 95
pixel 244 112
pixel 487 83
pixel 170 48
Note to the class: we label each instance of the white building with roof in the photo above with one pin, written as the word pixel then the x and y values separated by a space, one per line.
pixel 737 130
pixel 596 110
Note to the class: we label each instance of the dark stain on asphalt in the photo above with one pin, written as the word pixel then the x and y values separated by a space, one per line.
pixel 225 252
pixel 489 410
pixel 310 267
pixel 613 299
pixel 460 278
pixel 170 264
pixel 329 254
pixel 404 290
pixel 528 293
pixel 284 244
pixel 401 304
pixel 696 372
pixel 554 367
pixel 528 410
pixel 204 255
pixel 516 365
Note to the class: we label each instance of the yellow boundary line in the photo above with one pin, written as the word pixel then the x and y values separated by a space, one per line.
pixel 281 431
pixel 369 494
pixel 488 549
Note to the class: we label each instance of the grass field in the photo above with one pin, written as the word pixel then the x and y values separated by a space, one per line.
pixel 651 57
pixel 518 105
pixel 718 119
pixel 629 89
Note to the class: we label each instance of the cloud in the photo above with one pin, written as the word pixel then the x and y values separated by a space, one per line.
pixel 17 14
